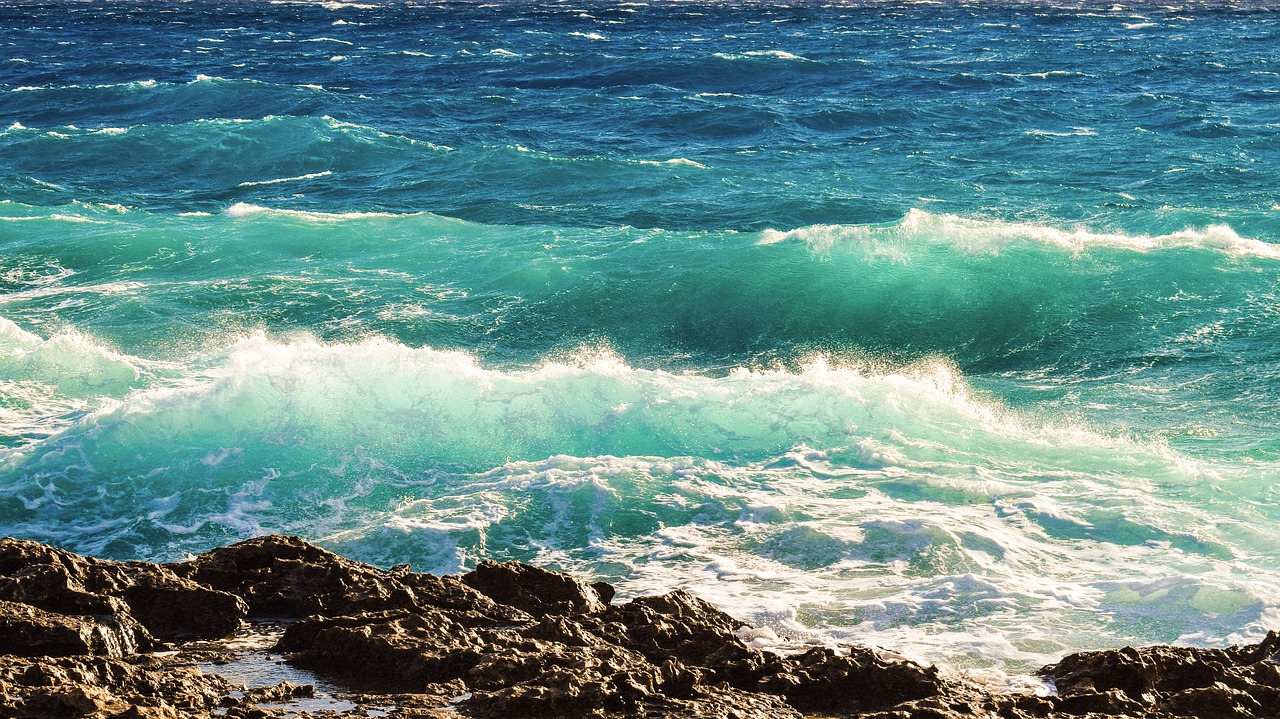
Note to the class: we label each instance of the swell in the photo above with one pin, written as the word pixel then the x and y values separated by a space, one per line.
pixel 315 162
pixel 990 296
pixel 709 157
pixel 124 104
pixel 836 498
pixel 374 419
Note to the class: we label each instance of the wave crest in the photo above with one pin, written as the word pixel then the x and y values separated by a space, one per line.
pixel 919 227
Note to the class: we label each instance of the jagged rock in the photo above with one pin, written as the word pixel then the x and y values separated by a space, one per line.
pixel 282 576
pixel 394 650
pixel 32 632
pixel 139 686
pixel 286 577
pixel 75 700
pixel 174 609
pixel 1181 681
pixel 574 660
pixel 858 682
pixel 509 640
pixel 1111 703
pixel 1217 700
pixel 680 625
pixel 131 595
pixel 277 693
pixel 536 591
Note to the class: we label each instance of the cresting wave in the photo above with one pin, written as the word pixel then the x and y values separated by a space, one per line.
pixel 990 296
pixel 447 408
pixel 897 239
pixel 917 229
pixel 842 499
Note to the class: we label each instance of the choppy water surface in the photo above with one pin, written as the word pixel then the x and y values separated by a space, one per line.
pixel 952 328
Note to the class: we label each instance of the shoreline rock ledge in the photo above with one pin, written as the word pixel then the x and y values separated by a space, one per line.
pixel 83 637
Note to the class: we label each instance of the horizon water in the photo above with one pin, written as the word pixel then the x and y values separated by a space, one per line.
pixel 950 328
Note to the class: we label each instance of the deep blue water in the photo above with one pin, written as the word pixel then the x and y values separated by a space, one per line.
pixel 950 327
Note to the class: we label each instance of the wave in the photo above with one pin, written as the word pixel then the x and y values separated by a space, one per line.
pixel 828 502
pixel 331 419
pixel 443 405
pixel 990 296
pixel 124 103
pixel 279 180
pixel 985 236
pixel 48 384
pixel 201 162
pixel 761 54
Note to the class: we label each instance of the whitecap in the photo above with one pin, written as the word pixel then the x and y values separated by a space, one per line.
pixel 279 180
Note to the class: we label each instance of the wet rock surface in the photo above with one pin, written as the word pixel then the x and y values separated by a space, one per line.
pixel 81 637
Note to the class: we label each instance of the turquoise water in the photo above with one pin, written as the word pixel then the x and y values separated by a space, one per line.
pixel 952 328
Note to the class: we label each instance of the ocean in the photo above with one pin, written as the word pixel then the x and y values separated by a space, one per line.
pixel 947 327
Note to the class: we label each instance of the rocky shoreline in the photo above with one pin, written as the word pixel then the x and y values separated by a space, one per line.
pixel 82 637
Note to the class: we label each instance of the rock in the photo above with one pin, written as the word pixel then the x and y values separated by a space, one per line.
pixel 1111 703
pixel 174 609
pixel 280 576
pixel 130 595
pixel 508 640
pixel 103 686
pixel 569 656
pixel 74 700
pixel 1217 700
pixel 394 650
pixel 536 591
pixel 681 626
pixel 32 632
pixel 822 680
pixel 1182 681
pixel 284 691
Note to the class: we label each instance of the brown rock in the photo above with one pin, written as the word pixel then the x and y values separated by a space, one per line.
pixel 73 700
pixel 1217 700
pixel 282 576
pixel 1111 703
pixel 129 594
pixel 1238 682
pixel 102 686
pixel 31 632
pixel 536 591
pixel 679 625
pixel 822 680
pixel 395 650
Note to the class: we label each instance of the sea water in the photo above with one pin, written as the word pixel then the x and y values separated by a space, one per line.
pixel 948 327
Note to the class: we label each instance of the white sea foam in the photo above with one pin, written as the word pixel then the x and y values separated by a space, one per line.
pixel 979 236
pixel 756 54
pixel 277 181
pixel 244 209
pixel 1073 132
pixel 674 161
